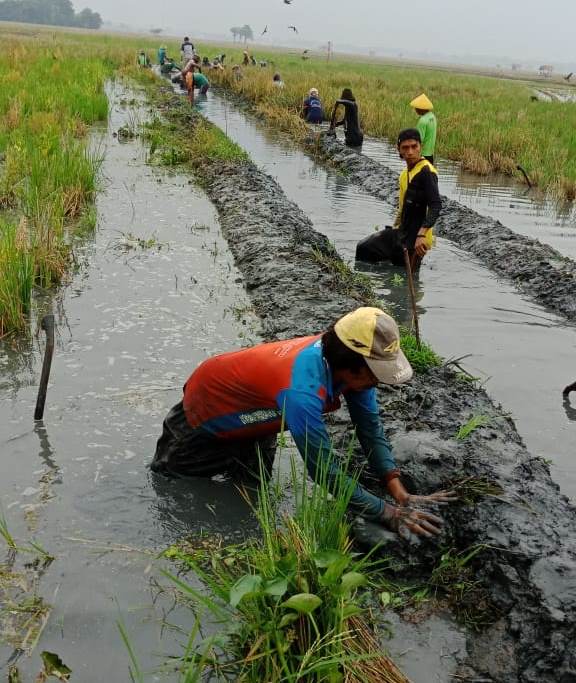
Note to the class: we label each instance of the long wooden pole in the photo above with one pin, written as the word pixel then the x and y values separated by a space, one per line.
pixel 408 266
pixel 48 327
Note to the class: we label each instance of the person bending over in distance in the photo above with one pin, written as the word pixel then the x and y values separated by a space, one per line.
pixel 277 80
pixel 418 209
pixel 235 403
pixel 312 111
pixel 352 132
pixel 426 126
pixel 168 66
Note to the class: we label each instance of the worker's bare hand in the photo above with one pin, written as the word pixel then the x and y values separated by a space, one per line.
pixel 421 247
pixel 405 521
pixel 437 498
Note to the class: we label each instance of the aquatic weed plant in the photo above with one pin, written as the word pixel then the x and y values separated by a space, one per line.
pixel 288 606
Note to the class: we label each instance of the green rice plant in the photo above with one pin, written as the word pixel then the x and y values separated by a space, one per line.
pixel 472 489
pixel 136 674
pixel 17 279
pixel 422 357
pixel 475 422
pixel 291 601
pixel 345 280
pixel 5 532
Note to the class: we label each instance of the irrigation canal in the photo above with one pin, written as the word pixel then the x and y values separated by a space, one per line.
pixel 155 292
pixel 524 353
pixel 137 317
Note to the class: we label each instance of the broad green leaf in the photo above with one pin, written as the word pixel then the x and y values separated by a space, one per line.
pixel 386 598
pixel 54 666
pixel 351 580
pixel 303 602
pixel 277 586
pixel 325 558
pixel 334 571
pixel 246 585
pixel 288 619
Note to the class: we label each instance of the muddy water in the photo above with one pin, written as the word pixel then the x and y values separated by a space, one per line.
pixel 523 353
pixel 506 199
pixel 134 321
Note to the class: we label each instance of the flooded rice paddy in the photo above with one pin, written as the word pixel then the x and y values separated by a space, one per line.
pixel 524 354
pixel 156 292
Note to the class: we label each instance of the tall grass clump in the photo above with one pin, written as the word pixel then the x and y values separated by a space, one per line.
pixel 289 606
pixel 16 276
pixel 51 92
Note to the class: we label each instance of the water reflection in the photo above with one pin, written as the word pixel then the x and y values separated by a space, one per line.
pixel 196 505
pixel 569 409
pixel 391 283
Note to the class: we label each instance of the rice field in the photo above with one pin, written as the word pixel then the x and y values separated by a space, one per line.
pixel 488 124
pixel 52 91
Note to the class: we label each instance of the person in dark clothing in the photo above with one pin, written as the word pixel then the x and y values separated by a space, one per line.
pixel 312 108
pixel 418 210
pixel 352 132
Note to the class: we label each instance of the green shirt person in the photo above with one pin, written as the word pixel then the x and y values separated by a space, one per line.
pixel 201 82
pixel 426 125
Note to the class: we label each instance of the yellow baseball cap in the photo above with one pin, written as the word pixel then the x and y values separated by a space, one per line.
pixel 422 102
pixel 374 334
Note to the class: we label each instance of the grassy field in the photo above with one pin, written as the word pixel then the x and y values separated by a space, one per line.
pixel 52 91
pixel 488 124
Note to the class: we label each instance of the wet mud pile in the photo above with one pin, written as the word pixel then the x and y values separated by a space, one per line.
pixel 537 270
pixel 527 565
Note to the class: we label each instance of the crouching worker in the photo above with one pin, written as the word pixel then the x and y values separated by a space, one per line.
pixel 234 404
pixel 418 210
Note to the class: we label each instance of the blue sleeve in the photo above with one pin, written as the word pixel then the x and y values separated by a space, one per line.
pixel 303 417
pixel 363 410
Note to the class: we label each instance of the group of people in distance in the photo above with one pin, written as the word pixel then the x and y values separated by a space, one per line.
pixel 234 404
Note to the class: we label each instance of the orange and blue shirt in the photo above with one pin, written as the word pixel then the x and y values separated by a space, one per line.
pixel 255 392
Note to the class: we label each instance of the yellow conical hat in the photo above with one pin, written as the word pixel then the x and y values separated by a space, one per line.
pixel 422 102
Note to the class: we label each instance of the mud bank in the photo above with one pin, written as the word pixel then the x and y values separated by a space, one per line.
pixel 528 564
pixel 538 271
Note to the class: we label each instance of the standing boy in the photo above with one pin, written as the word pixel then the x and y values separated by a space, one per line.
pixel 426 126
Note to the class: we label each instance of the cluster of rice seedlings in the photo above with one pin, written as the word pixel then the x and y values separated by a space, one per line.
pixel 422 356
pixel 288 606
pixel 474 423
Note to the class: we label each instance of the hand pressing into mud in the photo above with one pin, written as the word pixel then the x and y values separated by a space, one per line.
pixel 406 521
pixel 432 499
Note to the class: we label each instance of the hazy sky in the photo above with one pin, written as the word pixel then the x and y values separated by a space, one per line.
pixel 526 29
